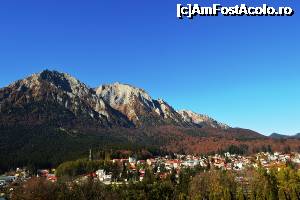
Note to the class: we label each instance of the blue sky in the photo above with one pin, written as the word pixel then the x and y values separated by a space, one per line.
pixel 243 71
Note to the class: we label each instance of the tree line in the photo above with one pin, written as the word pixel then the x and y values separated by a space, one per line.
pixel 201 184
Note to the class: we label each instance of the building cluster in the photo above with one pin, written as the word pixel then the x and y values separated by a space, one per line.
pixel 277 160
pixel 162 167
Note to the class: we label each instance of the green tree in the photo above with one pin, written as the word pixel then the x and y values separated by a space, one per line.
pixel 289 184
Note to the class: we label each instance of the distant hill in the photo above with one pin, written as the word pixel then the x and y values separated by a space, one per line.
pixel 278 136
pixel 281 136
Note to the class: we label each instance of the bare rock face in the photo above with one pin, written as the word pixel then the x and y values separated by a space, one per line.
pixel 138 106
pixel 201 120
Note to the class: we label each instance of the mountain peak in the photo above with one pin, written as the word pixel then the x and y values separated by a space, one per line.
pixel 60 80
pixel 127 89
pixel 137 104
pixel 120 94
pixel 57 79
pixel 63 81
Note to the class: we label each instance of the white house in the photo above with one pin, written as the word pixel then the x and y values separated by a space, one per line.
pixel 102 176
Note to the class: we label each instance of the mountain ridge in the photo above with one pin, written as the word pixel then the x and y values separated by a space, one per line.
pixel 63 91
pixel 109 105
pixel 50 117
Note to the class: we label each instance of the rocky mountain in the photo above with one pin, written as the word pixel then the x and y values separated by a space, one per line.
pixel 53 97
pixel 142 109
pixel 138 105
pixel 58 98
pixel 50 117
pixel 201 120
